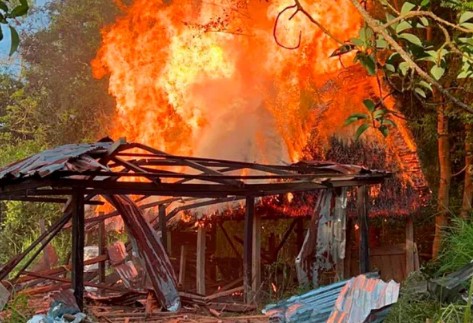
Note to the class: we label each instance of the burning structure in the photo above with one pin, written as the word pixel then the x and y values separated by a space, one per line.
pixel 197 78
pixel 114 170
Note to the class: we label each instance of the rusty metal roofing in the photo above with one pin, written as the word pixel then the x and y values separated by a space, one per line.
pixel 347 301
pixel 360 297
pixel 68 157
pixel 133 168
pixel 313 306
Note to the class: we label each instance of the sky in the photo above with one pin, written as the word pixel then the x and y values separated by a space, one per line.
pixel 33 19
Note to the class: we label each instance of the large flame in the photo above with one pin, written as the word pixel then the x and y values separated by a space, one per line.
pixel 207 78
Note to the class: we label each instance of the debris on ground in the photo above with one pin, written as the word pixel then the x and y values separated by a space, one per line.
pixel 345 301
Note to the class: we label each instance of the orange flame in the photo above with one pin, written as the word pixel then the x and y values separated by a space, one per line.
pixel 207 78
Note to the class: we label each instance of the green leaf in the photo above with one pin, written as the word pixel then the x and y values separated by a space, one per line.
pixel 357 41
pixel 403 25
pixel 465 74
pixel 425 3
pixel 406 7
pixel 467 25
pixel 362 128
pixel 390 67
pixel 384 130
pixel 15 40
pixel 18 11
pixel 388 122
pixel 411 38
pixel 403 68
pixel 369 104
pixel 437 72
pixel 379 114
pixel 467 15
pixel 424 21
pixel 420 91
pixel 355 117
pixel 367 61
pixel 3 6
pixel 426 85
pixel 381 43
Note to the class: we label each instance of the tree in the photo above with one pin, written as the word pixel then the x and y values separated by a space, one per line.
pixel 72 105
pixel 429 50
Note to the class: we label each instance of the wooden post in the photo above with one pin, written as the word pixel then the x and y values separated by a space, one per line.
pixel 182 266
pixel 350 235
pixel 162 226
pixel 300 234
pixel 102 249
pixel 248 246
pixel 200 261
pixel 410 263
pixel 78 241
pixel 362 208
pixel 256 261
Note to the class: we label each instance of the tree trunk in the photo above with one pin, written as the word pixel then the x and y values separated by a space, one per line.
pixel 441 219
pixel 468 186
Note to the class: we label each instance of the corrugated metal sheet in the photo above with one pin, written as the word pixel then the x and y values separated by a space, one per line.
pixel 364 298
pixel 67 157
pixel 313 306
pixel 360 296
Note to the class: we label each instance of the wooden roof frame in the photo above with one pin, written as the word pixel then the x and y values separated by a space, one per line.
pixel 201 178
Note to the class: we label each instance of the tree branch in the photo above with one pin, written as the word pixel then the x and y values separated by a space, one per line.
pixel 299 8
pixel 411 14
pixel 379 28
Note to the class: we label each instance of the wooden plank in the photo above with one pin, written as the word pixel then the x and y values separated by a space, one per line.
pixel 230 241
pixel 182 266
pixel 410 262
pixel 162 226
pixel 247 247
pixel 256 258
pixel 102 249
pixel 200 261
pixel 348 250
pixel 78 240
pixel 362 209
pixel 59 270
pixel 284 239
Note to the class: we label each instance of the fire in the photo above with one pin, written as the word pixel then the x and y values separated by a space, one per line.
pixel 207 78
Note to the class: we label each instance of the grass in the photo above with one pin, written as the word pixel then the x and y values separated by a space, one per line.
pixel 457 249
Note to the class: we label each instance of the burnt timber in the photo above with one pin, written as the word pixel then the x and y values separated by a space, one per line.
pixel 83 172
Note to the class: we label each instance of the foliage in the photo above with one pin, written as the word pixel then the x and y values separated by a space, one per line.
pixel 9 11
pixel 18 309
pixel 377 118
pixel 72 106
pixel 56 101
pixel 458 246
pixel 412 48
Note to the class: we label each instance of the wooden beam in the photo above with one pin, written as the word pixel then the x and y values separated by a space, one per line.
pixel 348 253
pixel 162 226
pixel 182 266
pixel 230 241
pixel 102 248
pixel 248 246
pixel 284 239
pixel 410 262
pixel 200 261
pixel 256 258
pixel 78 240
pixel 362 209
